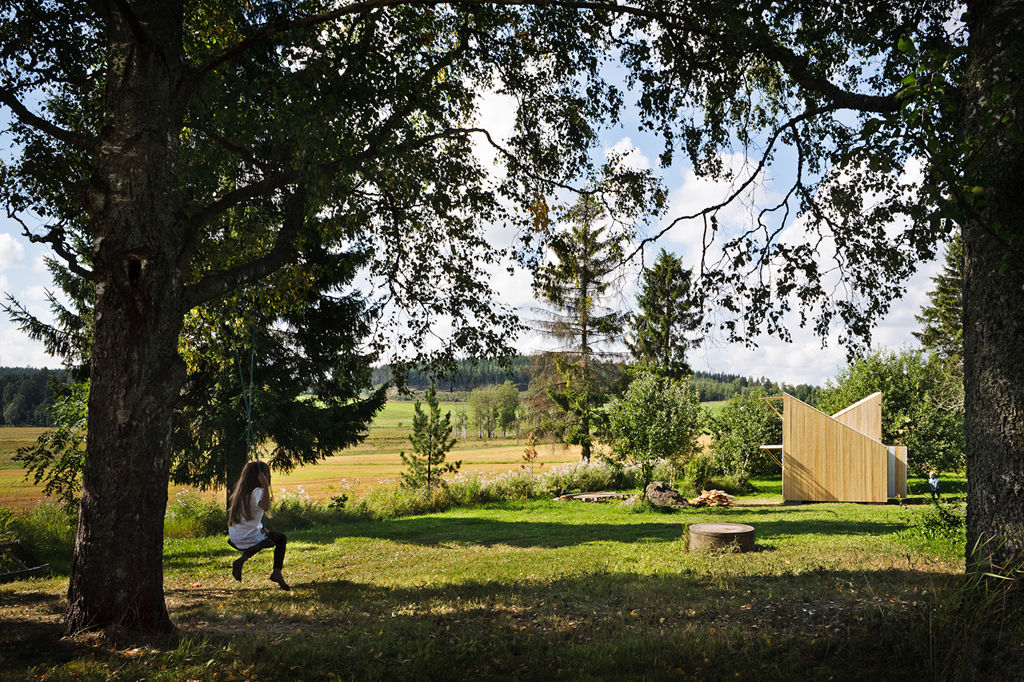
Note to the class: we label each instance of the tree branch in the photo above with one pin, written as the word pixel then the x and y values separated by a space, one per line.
pixel 55 238
pixel 241 195
pixel 795 67
pixel 25 116
pixel 283 252
pixel 710 210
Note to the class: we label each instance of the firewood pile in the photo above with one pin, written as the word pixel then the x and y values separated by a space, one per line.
pixel 712 498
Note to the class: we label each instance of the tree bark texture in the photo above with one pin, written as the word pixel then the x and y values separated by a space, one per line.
pixel 994 289
pixel 136 372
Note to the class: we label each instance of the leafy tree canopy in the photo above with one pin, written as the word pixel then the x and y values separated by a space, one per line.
pixel 656 419
pixel 916 406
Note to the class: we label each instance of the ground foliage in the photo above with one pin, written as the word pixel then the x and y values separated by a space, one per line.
pixel 542 589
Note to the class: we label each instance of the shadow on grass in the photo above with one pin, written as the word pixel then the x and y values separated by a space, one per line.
pixel 600 625
pixel 851 624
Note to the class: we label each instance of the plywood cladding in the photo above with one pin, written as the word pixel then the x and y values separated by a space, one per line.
pixel 828 458
pixel 864 416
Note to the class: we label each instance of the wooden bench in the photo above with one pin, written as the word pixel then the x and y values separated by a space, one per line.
pixel 22 571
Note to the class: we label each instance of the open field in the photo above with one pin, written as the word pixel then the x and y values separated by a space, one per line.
pixel 14 437
pixel 536 590
pixel 374 462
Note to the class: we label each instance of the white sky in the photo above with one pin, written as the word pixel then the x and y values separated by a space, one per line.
pixel 803 361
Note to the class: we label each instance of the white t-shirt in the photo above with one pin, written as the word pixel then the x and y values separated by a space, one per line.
pixel 250 530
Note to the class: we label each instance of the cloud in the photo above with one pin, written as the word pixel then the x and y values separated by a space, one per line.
pixel 17 350
pixel 497 114
pixel 628 154
pixel 11 251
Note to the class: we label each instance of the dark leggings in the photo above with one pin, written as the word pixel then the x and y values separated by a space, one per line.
pixel 274 539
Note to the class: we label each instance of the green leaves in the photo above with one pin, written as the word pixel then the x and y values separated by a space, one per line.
pixel 656 419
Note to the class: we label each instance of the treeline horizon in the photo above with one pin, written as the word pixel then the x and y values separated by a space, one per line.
pixel 470 374
pixel 25 394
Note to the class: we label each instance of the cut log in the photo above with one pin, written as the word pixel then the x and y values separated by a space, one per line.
pixel 738 536
pixel 600 496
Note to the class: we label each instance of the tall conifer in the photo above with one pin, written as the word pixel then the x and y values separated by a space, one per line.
pixel 667 314
pixel 576 284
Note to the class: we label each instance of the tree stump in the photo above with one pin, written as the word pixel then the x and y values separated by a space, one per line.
pixel 713 535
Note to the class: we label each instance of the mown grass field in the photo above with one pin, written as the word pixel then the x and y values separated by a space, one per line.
pixel 535 590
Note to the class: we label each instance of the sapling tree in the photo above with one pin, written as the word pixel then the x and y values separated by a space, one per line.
pixel 656 419
pixel 431 440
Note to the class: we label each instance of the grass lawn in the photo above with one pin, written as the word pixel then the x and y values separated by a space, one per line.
pixel 535 590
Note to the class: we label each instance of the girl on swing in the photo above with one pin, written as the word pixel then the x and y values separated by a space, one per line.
pixel 249 500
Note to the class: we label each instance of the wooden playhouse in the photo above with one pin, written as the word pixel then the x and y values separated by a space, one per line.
pixel 838 458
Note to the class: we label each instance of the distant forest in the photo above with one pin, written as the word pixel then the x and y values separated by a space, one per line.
pixel 25 394
pixel 710 386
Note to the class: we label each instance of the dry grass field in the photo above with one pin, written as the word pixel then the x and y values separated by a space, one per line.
pixel 354 471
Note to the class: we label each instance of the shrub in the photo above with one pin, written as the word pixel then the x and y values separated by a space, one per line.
pixel 700 471
pixel 47 534
pixel 190 516
pixel 738 432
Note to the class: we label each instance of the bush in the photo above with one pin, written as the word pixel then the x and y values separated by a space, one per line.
pixel 700 471
pixel 296 510
pixel 190 516
pixel 47 534
pixel 589 476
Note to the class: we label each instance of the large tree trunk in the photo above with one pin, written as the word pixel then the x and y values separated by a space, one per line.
pixel 994 289
pixel 117 568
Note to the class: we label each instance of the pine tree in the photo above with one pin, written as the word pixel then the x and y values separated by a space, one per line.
pixel 575 283
pixel 431 440
pixel 667 313
pixel 943 331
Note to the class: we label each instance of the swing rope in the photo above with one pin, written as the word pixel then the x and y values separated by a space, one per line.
pixel 247 397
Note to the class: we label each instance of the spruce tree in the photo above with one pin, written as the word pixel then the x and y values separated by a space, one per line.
pixel 667 313
pixel 575 284
pixel 431 440
pixel 943 330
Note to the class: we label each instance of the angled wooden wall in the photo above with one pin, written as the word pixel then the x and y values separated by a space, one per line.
pixel 864 416
pixel 824 459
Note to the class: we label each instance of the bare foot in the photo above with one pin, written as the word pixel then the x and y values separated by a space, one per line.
pixel 279 579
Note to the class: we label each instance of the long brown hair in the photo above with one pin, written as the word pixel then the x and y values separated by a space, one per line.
pixel 248 481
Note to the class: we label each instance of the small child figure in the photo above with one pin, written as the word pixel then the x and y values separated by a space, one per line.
pixel 933 484
pixel 249 500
